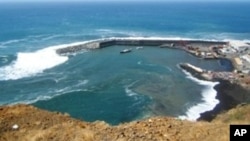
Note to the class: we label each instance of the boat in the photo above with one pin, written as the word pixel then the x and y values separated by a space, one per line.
pixel 139 48
pixel 126 51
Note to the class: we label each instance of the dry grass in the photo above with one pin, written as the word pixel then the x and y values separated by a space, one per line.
pixel 239 115
pixel 40 125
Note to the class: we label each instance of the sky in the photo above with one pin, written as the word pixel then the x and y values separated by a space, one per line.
pixel 111 0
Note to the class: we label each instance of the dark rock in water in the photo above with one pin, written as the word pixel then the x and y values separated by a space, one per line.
pixel 230 95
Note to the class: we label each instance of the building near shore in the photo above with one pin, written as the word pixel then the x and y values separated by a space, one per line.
pixel 227 50
pixel 239 46
pixel 238 61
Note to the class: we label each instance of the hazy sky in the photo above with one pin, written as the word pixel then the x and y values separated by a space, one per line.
pixel 109 0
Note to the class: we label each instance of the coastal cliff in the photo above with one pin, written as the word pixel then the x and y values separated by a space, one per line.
pixel 25 122
pixel 232 89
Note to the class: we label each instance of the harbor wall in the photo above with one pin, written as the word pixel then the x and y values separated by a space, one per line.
pixel 149 42
pixel 138 42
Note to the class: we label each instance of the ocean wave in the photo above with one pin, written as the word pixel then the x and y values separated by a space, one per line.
pixel 39 98
pixel 29 64
pixel 11 41
pixel 14 41
pixel 3 58
pixel 81 83
pixel 32 38
pixel 128 91
pixel 50 94
pixel 146 64
pixel 208 36
pixel 50 37
pixel 169 69
pixel 112 32
pixel 32 63
pixel 139 62
pixel 105 30
pixel 2 46
pixel 208 98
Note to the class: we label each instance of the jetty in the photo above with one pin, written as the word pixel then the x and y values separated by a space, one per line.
pixel 209 75
pixel 192 46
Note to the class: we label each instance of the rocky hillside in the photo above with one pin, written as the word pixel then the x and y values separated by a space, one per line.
pixel 25 122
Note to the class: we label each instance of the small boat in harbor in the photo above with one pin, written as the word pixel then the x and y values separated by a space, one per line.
pixel 126 51
pixel 139 48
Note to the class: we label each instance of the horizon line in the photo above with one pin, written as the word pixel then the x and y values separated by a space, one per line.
pixel 131 1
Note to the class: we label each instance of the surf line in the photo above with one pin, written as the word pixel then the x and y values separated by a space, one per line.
pixel 209 100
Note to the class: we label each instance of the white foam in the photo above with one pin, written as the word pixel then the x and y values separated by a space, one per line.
pixel 111 32
pixel 104 30
pixel 3 58
pixel 54 36
pixel 128 91
pixel 11 41
pixel 31 63
pixel 169 69
pixel 139 62
pixel 50 94
pixel 81 83
pixel 238 43
pixel 46 97
pixel 51 37
pixel 208 98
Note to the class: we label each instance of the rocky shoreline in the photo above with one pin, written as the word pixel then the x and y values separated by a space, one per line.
pixel 230 96
pixel 230 90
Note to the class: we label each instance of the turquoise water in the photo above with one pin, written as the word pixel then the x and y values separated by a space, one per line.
pixel 122 87
pixel 103 84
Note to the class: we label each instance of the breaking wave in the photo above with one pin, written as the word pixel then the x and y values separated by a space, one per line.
pixel 31 63
pixel 208 98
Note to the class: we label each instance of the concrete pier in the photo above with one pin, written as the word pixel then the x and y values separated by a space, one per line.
pixel 139 42
pixel 210 75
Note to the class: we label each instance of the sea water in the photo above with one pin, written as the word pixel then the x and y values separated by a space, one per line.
pixel 104 84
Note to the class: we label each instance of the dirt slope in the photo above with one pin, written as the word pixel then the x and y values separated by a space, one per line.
pixel 39 125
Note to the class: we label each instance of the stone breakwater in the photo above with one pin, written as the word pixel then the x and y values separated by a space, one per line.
pixel 240 79
pixel 179 44
pixel 232 90
pixel 210 75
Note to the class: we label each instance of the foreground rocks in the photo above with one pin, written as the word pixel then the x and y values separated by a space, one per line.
pixel 25 122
